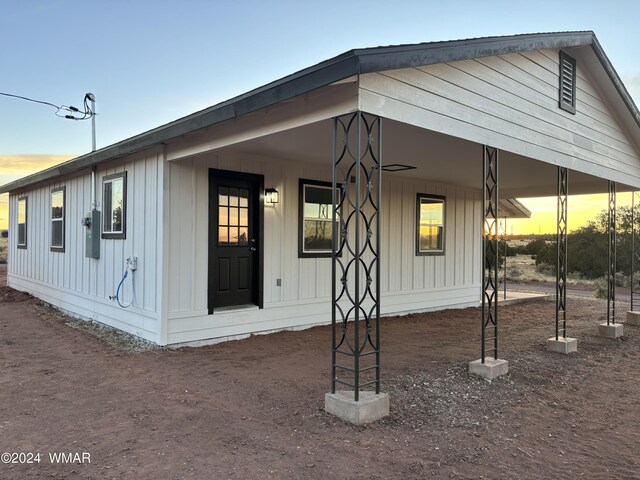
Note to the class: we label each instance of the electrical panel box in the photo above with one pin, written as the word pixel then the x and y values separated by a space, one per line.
pixel 92 222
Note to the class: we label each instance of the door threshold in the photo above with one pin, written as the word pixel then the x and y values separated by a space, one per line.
pixel 235 308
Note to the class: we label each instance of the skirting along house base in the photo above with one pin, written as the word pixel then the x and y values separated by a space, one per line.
pixel 367 185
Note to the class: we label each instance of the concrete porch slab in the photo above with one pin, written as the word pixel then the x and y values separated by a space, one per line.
pixel 633 318
pixel 490 369
pixel 564 345
pixel 369 408
pixel 613 330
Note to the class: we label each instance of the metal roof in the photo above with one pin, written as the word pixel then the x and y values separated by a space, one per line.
pixel 353 62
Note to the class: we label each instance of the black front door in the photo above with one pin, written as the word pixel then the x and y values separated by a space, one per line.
pixel 234 239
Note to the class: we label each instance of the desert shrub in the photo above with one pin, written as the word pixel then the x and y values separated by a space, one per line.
pixel 545 269
pixel 622 280
pixel 534 246
pixel 514 273
pixel 601 287
pixel 588 248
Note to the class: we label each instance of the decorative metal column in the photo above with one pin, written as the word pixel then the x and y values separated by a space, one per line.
pixel 561 264
pixel 502 227
pixel 611 274
pixel 357 148
pixel 490 254
pixel 635 252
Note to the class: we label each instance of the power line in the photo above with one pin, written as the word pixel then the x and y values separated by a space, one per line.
pixel 29 99
pixel 87 113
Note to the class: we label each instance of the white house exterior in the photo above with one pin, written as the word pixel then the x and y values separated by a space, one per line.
pixel 439 104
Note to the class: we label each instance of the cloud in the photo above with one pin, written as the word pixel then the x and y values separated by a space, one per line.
pixel 20 165
pixel 13 167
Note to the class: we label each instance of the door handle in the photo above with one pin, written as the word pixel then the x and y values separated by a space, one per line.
pixel 253 245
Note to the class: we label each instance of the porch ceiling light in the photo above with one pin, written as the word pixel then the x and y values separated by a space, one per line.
pixel 271 196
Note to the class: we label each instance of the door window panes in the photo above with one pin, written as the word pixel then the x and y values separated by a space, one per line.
pixel 233 216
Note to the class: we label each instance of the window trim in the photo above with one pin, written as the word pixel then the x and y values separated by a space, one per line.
pixel 26 222
pixel 123 234
pixel 301 185
pixel 429 196
pixel 564 105
pixel 52 247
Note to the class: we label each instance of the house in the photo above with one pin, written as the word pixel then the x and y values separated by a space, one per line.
pixel 223 218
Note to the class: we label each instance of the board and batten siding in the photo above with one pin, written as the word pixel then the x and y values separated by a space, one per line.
pixel 509 102
pixel 82 286
pixel 408 282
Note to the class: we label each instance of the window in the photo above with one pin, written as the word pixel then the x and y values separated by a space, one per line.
pixel 114 205
pixel 22 222
pixel 57 219
pixel 567 83
pixel 233 216
pixel 315 219
pixel 430 224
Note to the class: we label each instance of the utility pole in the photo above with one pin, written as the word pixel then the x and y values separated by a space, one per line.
pixel 92 99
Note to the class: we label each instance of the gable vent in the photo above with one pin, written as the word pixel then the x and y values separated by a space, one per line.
pixel 567 83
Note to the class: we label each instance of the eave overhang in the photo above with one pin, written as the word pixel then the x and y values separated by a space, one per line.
pixel 353 62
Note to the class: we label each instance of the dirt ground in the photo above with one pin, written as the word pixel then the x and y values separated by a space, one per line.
pixel 253 409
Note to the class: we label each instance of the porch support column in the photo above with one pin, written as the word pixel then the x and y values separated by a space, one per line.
pixel 355 295
pixel 611 329
pixel 503 241
pixel 561 343
pixel 489 365
pixel 633 315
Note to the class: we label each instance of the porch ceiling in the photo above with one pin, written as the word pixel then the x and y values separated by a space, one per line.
pixel 436 156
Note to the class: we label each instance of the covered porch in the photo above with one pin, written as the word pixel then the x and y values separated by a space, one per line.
pixel 459 128
pixel 366 149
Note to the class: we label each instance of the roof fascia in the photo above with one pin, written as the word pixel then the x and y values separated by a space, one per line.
pixel 391 58
pixel 615 79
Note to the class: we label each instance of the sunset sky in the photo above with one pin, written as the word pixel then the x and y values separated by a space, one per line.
pixel 152 61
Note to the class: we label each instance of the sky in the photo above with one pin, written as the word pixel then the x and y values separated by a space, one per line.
pixel 149 62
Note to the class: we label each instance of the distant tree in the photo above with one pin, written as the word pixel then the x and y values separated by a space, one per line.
pixel 534 247
pixel 588 246
pixel 507 250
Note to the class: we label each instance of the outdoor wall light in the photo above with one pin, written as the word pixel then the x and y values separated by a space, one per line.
pixel 271 196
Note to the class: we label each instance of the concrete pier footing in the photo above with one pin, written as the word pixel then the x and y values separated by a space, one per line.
pixel 564 345
pixel 370 406
pixel 613 330
pixel 490 369
pixel 633 318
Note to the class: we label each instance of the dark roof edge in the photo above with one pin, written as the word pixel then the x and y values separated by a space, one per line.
pixel 338 68
pixel 403 56
pixel 615 79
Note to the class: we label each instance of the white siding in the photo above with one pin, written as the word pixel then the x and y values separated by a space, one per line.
pixel 509 102
pixel 80 285
pixel 408 282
